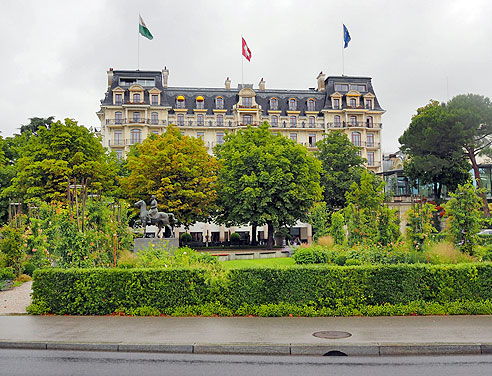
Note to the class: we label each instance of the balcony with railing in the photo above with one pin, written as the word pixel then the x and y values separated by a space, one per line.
pixel 356 124
pixel 140 121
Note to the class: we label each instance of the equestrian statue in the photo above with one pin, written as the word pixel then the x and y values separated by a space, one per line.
pixel 155 217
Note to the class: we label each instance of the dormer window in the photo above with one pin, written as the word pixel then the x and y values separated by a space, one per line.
pixel 353 102
pixel 273 104
pixel 311 105
pixel 292 104
pixel 154 99
pixel 180 101
pixel 369 104
pixel 118 99
pixel 336 104
pixel 200 103
pixel 247 102
pixel 136 98
pixel 219 103
pixel 341 87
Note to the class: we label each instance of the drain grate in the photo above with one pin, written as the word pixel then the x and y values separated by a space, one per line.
pixel 332 334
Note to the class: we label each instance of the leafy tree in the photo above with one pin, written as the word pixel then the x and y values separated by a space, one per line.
pixel 465 217
pixel 337 230
pixel 472 115
pixel 434 146
pixel 420 224
pixel 341 166
pixel 179 171
pixel 368 219
pixel 47 160
pixel 319 217
pixel 266 179
pixel 35 123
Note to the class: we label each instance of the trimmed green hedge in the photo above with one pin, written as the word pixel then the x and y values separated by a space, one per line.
pixel 6 274
pixel 297 290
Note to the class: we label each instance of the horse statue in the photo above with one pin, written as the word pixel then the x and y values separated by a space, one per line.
pixel 161 219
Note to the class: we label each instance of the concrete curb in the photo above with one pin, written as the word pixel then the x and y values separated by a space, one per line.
pixel 363 349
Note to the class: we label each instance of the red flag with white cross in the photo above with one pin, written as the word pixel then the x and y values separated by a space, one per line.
pixel 246 51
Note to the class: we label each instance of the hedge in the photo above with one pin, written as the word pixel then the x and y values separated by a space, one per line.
pixel 297 290
pixel 6 274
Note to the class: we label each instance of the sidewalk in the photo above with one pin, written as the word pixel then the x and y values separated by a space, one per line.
pixel 374 336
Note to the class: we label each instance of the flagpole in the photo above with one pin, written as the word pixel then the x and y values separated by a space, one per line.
pixel 343 51
pixel 138 43
pixel 242 62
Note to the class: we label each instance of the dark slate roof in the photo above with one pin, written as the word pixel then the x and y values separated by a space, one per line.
pixel 231 97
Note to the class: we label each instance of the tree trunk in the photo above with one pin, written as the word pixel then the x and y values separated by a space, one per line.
pixel 270 235
pixel 436 191
pixel 478 181
pixel 253 233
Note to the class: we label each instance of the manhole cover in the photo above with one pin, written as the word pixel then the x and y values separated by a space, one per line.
pixel 332 334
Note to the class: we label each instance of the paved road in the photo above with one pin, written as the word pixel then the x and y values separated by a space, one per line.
pixel 53 363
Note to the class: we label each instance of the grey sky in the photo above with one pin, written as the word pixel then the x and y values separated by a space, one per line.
pixel 55 54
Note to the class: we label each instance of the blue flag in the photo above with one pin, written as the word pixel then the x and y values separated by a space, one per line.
pixel 346 36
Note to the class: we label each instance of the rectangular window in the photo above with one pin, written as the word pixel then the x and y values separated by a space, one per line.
pixel 247 102
pixel 199 119
pixel 353 102
pixel 118 118
pixel 370 158
pixel 358 87
pixel 136 98
pixel 118 137
pixel 247 120
pixel 293 137
pixel 154 118
pixel 311 122
pixel 200 105
pixel 353 121
pixel 181 119
pixel 341 87
pixel 136 117
pixel 135 136
pixel 220 120
pixel 369 104
pixel 312 140
pixel 220 138
pixel 274 121
pixel 370 140
pixel 118 99
pixel 119 154
pixel 293 121
pixel 155 100
pixel 336 104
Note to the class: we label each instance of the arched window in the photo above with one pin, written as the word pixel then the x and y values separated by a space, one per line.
pixel 273 104
pixel 356 138
pixel 311 104
pixel 154 118
pixel 199 119
pixel 338 123
pixel 219 103
pixel 200 102
pixel 135 136
pixel 311 122
pixel 353 102
pixel 118 118
pixel 136 98
pixel 220 120
pixel 181 119
pixel 293 121
pixel 292 104
pixel 274 121
pixel 180 101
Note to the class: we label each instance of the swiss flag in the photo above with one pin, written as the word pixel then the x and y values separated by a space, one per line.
pixel 246 51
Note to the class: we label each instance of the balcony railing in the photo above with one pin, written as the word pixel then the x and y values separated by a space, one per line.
pixel 135 121
pixel 121 143
pixel 358 124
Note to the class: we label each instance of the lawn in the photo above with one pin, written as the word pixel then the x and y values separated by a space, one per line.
pixel 278 262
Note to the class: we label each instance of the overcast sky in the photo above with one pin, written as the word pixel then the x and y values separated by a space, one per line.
pixel 55 54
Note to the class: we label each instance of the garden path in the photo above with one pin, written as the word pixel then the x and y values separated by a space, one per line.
pixel 15 301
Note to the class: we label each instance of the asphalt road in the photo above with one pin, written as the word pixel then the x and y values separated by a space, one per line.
pixel 53 363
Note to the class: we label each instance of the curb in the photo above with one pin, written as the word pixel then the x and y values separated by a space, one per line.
pixel 386 349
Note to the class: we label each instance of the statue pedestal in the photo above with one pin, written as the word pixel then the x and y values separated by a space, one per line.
pixel 170 243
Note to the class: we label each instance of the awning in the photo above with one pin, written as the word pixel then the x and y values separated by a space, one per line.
pixel 199 98
pixel 180 98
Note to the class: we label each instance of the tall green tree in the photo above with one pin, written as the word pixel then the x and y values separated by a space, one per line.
pixel 266 179
pixel 35 123
pixel 341 166
pixel 179 171
pixel 48 159
pixel 472 115
pixel 433 143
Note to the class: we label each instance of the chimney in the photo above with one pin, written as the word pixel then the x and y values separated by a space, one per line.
pixel 110 77
pixel 262 84
pixel 228 84
pixel 321 81
pixel 165 75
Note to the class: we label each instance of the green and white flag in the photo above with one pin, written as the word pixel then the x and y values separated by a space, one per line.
pixel 142 28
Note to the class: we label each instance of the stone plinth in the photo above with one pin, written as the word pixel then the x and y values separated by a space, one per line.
pixel 169 243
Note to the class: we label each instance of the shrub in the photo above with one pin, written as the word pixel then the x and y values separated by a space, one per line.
pixel 185 237
pixel 311 255
pixel 446 253
pixel 6 274
pixel 11 247
pixel 235 237
pixel 325 241
pixel 337 229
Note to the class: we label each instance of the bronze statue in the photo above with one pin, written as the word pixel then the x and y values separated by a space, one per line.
pixel 155 217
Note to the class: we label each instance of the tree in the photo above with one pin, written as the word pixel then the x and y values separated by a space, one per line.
pixel 465 217
pixel 266 179
pixel 472 115
pixel 434 146
pixel 420 224
pixel 47 160
pixel 35 123
pixel 319 217
pixel 341 166
pixel 179 171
